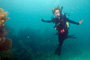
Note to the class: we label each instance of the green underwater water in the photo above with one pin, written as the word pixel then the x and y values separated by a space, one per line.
pixel 34 40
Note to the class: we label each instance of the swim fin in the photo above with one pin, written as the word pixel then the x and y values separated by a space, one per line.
pixel 71 36
pixel 58 50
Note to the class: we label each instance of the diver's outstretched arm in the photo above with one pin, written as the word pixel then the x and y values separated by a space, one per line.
pixel 72 21
pixel 78 23
pixel 49 21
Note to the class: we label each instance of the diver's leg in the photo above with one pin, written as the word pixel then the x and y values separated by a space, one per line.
pixel 69 36
pixel 61 38
pixel 58 50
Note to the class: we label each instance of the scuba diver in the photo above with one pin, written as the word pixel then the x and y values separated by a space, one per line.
pixel 61 25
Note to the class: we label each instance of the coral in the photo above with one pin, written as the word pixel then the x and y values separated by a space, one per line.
pixel 5 43
pixel 3 15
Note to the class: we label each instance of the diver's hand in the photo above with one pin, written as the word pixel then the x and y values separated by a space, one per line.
pixel 42 19
pixel 80 21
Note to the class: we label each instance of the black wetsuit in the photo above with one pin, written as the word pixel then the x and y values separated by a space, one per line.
pixel 60 23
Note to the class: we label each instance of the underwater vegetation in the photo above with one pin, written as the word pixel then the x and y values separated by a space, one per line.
pixel 26 45
pixel 23 45
pixel 8 55
pixel 5 43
